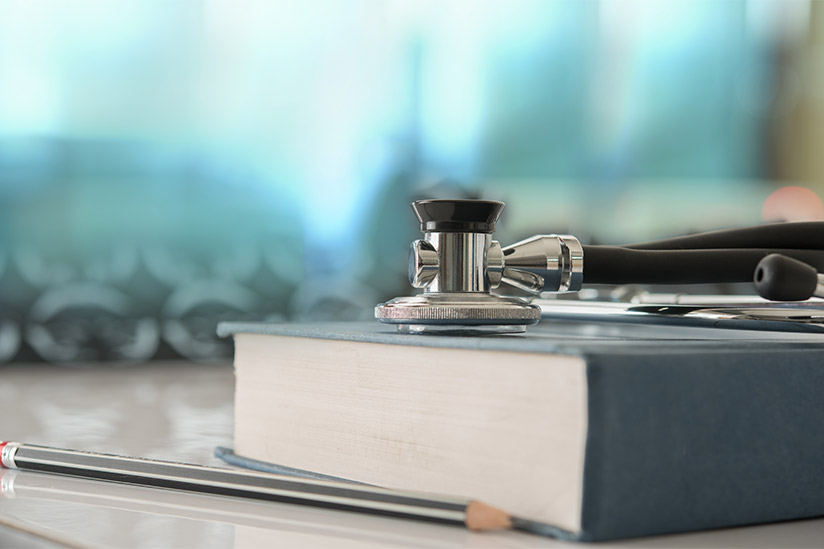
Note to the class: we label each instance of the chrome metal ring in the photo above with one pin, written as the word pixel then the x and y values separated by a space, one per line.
pixel 7 455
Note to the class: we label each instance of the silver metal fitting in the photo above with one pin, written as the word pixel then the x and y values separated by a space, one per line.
pixel 545 263
pixel 423 264
pixel 473 262
pixel 456 262
pixel 494 264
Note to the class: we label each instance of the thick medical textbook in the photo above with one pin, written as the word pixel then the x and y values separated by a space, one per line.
pixel 598 431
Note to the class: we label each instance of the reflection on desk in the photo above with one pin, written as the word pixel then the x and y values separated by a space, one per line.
pixel 181 411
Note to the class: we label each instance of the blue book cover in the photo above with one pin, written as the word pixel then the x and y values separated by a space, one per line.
pixel 686 428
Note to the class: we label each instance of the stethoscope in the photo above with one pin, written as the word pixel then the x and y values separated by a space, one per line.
pixel 457 265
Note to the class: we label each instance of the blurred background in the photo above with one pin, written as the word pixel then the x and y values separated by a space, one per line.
pixel 167 165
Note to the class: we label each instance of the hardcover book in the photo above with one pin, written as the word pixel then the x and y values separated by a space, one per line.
pixel 600 432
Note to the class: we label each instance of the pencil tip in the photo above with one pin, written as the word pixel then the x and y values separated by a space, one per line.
pixel 480 516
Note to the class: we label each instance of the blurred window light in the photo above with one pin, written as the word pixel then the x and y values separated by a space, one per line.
pixel 29 68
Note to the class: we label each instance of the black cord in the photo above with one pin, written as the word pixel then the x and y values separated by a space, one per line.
pixel 797 236
pixel 623 265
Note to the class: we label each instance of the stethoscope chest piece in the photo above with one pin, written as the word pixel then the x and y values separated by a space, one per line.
pixel 457 264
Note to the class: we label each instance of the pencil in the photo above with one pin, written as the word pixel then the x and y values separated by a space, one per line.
pixel 472 514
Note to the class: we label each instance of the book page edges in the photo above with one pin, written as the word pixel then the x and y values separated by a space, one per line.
pixel 503 427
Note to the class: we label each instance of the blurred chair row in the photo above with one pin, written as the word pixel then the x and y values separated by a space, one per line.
pixel 160 304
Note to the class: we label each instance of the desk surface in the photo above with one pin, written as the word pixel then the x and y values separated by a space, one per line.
pixel 180 412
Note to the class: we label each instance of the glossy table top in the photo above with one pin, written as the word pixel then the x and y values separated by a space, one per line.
pixel 179 411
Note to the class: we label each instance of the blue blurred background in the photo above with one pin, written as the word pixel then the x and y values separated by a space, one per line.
pixel 166 165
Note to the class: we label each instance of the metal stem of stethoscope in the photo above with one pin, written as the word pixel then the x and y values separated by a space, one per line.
pixel 457 264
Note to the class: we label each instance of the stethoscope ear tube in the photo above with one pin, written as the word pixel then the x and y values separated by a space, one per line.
pixel 621 265
pixel 731 255
pixel 807 235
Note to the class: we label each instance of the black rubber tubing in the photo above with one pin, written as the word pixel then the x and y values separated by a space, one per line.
pixel 622 265
pixel 808 235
